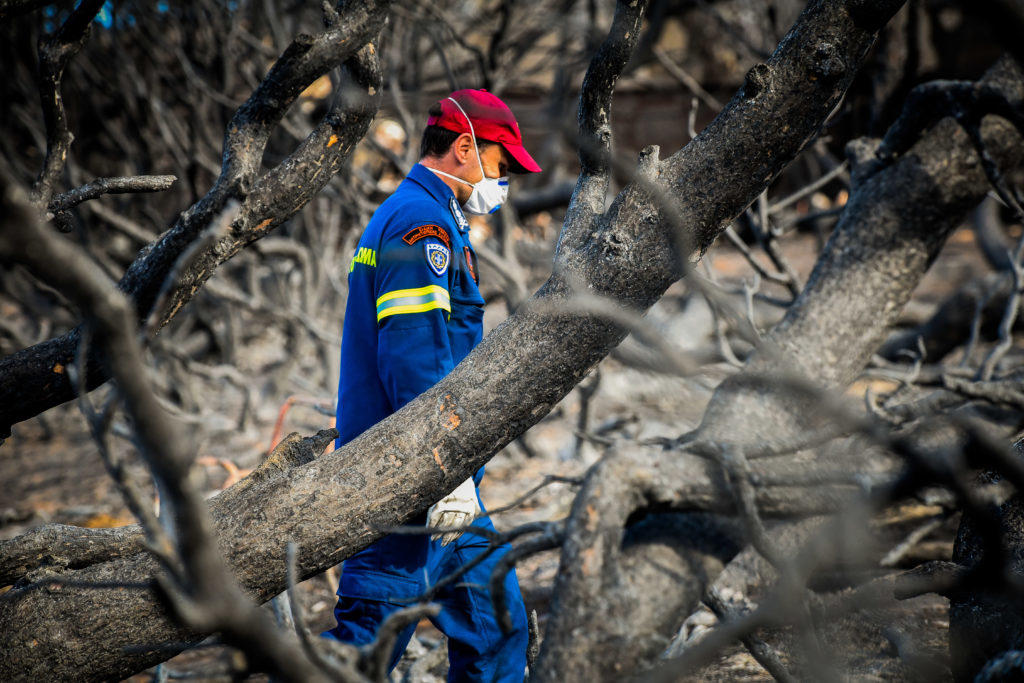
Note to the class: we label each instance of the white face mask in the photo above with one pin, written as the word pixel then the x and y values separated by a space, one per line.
pixel 490 193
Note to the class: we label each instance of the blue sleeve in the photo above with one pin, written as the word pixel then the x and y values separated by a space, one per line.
pixel 413 307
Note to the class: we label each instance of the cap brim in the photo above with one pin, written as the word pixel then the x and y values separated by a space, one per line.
pixel 522 161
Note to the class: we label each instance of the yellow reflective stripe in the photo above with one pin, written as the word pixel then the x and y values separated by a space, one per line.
pixel 415 308
pixel 413 301
pixel 419 291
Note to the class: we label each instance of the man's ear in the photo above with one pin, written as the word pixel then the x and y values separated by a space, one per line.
pixel 463 148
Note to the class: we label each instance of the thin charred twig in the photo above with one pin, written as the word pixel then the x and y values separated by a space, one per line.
pixel 1000 392
pixel 54 54
pixel 988 366
pixel 533 645
pixel 158 539
pixel 377 654
pixel 1004 190
pixel 737 241
pixel 932 404
pixel 969 313
pixel 928 374
pixel 737 470
pixel 911 377
pixel 339 670
pixel 750 291
pixel 938 576
pixel 975 333
pixel 585 303
pixel 493 50
pixel 547 481
pixel 896 555
pixel 718 322
pixel 758 649
pixel 552 538
pixel 691 118
pixel 452 29
pixel 507 270
pixel 701 653
pixel 766 237
pixel 687 80
pixel 115 185
pixel 734 32
pixel 808 189
pixel 123 225
pixel 810 219
pixel 784 605
pixel 282 607
pixel 494 540
pixel 587 389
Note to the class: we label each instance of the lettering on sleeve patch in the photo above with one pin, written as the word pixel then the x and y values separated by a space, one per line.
pixel 438 257
pixel 428 230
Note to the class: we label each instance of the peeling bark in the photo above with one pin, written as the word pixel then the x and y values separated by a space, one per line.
pixel 53 548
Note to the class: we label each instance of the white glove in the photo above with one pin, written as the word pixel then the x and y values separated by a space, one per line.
pixel 458 509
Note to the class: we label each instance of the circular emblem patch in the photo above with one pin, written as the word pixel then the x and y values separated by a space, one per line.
pixel 438 257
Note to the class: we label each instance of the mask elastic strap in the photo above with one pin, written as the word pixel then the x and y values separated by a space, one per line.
pixel 449 175
pixel 473 133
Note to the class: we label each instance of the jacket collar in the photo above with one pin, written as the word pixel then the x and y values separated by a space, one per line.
pixel 431 183
pixel 439 190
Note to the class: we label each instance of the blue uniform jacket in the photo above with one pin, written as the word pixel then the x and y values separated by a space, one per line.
pixel 414 311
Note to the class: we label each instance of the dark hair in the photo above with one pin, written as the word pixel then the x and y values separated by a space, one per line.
pixel 437 141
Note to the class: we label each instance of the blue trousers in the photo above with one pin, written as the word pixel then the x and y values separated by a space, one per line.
pixel 390 573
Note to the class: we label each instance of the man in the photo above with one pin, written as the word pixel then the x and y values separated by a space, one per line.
pixel 414 311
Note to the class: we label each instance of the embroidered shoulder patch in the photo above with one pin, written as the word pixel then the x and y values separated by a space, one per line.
pixel 438 257
pixel 471 263
pixel 428 230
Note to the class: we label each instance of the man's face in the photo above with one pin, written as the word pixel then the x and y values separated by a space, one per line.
pixel 494 158
pixel 495 161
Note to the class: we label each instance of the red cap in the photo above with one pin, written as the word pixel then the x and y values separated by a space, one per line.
pixel 492 120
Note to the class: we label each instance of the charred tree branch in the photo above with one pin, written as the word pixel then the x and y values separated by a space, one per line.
pixel 28 382
pixel 209 598
pixel 594 117
pixel 54 54
pixel 102 186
